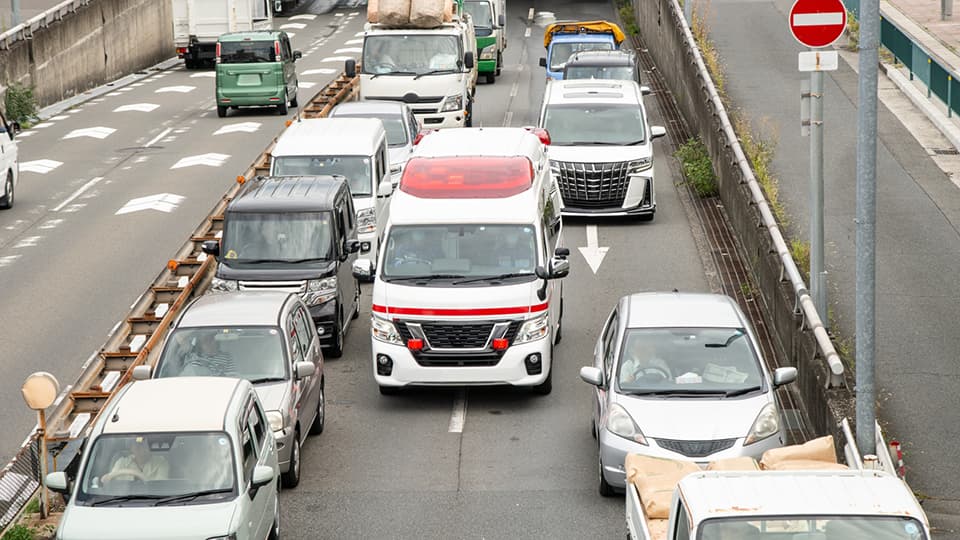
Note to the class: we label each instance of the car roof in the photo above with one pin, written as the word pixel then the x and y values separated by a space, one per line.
pixel 374 107
pixel 288 194
pixel 593 91
pixel 173 404
pixel 330 137
pixel 486 141
pixel 255 35
pixel 682 310
pixel 235 309
pixel 606 58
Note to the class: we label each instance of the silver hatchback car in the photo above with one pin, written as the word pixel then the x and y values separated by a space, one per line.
pixel 401 125
pixel 266 338
pixel 680 376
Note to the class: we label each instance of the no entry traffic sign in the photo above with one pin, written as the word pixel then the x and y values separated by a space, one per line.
pixel 817 23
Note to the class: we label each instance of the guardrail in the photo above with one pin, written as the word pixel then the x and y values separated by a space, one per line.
pixel 136 338
pixel 26 29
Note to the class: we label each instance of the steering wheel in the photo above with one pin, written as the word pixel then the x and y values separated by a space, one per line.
pixel 653 374
pixel 109 477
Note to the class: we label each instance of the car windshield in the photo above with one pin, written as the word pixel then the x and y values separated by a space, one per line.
pixel 575 125
pixel 624 73
pixel 247 52
pixel 392 124
pixel 561 52
pixel 147 469
pixel 825 527
pixel 252 353
pixel 411 54
pixel 355 168
pixel 253 237
pixel 460 251
pixel 688 360
pixel 480 12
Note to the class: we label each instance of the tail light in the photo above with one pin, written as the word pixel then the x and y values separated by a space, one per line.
pixel 181 50
pixel 423 133
pixel 217 60
pixel 276 49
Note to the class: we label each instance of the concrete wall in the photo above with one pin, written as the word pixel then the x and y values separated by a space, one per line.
pixel 99 43
pixel 662 33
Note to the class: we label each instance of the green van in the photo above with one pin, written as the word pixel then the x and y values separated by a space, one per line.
pixel 256 69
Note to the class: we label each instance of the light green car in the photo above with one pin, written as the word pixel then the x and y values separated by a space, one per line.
pixel 256 69
pixel 176 459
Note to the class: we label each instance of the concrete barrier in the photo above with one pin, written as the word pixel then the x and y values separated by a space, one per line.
pixel 664 33
pixel 91 46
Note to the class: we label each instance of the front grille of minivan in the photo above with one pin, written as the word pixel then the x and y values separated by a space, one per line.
pixel 592 185
pixel 696 449
pixel 298 287
pixel 458 343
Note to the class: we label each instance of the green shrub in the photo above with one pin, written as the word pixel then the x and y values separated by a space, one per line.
pixel 800 251
pixel 21 104
pixel 19 532
pixel 853 32
pixel 697 167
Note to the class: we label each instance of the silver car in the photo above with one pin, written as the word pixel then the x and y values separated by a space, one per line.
pixel 680 376
pixel 399 122
pixel 266 338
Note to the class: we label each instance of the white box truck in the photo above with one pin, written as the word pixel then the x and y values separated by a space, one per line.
pixel 198 23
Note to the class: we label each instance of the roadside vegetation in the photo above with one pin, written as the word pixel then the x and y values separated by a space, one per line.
pixel 853 32
pixel 21 105
pixel 697 167
pixel 625 9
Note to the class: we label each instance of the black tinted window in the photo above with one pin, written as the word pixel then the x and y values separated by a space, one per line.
pixel 247 52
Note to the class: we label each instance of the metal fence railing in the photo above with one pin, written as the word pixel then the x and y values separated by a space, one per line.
pixel 26 29
pixel 19 479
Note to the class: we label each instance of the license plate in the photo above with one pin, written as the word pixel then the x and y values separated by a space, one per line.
pixel 248 79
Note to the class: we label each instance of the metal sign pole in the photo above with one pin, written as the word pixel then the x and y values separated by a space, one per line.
pixel 15 9
pixel 817 277
pixel 44 492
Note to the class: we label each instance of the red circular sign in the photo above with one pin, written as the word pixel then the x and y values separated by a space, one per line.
pixel 817 23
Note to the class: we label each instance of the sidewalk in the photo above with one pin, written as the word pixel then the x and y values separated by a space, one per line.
pixel 926 14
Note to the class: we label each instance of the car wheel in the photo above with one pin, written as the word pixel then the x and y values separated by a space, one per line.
pixel 356 304
pixel 275 529
pixel 221 111
pixel 7 200
pixel 546 386
pixel 336 348
pixel 593 427
pixel 282 107
pixel 291 478
pixel 491 78
pixel 606 490
pixel 389 390
pixel 317 427
pixel 499 63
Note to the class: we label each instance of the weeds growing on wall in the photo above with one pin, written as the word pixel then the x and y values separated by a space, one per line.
pixel 800 251
pixel 625 9
pixel 707 48
pixel 853 32
pixel 21 104
pixel 697 167
pixel 759 147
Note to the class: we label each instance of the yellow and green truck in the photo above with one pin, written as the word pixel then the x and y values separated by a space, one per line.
pixel 490 23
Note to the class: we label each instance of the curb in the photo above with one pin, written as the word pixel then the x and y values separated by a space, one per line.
pixel 950 130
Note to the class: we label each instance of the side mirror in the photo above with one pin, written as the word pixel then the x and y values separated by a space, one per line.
pixel 297 55
pixel 57 481
pixel 352 246
pixel 304 369
pixel 543 62
pixel 262 475
pixel 657 131
pixel 211 247
pixel 645 90
pixel 784 375
pixel 591 375
pixel 142 372
pixel 561 252
pixel 386 188
pixel 350 68
pixel 363 269
pixel 468 60
pixel 15 127
pixel 559 267
pixel 501 20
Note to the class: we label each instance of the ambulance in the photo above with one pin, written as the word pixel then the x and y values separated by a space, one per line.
pixel 467 286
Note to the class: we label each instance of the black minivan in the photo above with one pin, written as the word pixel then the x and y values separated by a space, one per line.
pixel 296 234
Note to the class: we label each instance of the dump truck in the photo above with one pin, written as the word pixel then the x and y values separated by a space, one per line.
pixel 566 38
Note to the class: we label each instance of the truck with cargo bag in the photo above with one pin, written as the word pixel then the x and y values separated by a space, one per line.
pixel 563 39
pixel 423 53
pixel 197 24
pixel 793 492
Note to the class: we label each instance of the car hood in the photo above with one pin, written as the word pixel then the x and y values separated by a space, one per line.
pixel 272 395
pixel 277 272
pixel 397 87
pixel 600 154
pixel 147 523
pixel 693 419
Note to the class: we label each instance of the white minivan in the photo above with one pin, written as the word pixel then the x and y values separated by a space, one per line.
pixel 466 289
pixel 9 166
pixel 353 147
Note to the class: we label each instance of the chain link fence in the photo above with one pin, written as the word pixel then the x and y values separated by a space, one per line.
pixel 19 480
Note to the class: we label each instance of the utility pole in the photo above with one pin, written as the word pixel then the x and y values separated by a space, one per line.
pixel 15 9
pixel 946 9
pixel 866 281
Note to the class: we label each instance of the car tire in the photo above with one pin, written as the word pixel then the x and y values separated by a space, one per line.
pixel 389 390
pixel 282 107
pixel 7 200
pixel 275 528
pixel 559 335
pixel 491 78
pixel 356 304
pixel 499 63
pixel 593 427
pixel 546 386
pixel 606 490
pixel 317 427
pixel 293 102
pixel 336 348
pixel 291 478
pixel 221 111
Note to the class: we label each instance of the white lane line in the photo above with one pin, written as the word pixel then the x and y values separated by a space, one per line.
pixel 526 33
pixel 305 17
pixel 180 89
pixel 298 26
pixel 515 89
pixel 348 50
pixel 459 414
pixel 507 119
pixel 77 193
pixel 158 137
pixel 141 107
pixel 320 71
pixel 337 59
pixel 530 14
pixel 210 74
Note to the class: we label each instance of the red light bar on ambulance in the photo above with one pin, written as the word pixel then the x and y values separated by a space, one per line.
pixel 467 177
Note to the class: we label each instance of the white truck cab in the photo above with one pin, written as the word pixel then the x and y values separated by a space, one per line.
pixel 466 289
pixel 352 147
pixel 9 166
pixel 433 70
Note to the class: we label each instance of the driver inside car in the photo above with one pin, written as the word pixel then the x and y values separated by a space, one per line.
pixel 139 464
pixel 642 363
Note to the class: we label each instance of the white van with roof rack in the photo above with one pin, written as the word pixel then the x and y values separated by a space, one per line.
pixel 466 289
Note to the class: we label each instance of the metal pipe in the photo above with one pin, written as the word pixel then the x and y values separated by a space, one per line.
pixel 817 280
pixel 15 13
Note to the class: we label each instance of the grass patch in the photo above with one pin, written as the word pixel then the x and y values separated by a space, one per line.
pixel 707 48
pixel 697 167
pixel 853 32
pixel 759 147
pixel 800 251
pixel 32 507
pixel 19 532
pixel 21 105
pixel 629 18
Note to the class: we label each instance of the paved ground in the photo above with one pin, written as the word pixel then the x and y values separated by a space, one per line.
pixel 918 245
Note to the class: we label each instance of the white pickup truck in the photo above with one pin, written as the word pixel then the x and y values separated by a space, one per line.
pixel 862 501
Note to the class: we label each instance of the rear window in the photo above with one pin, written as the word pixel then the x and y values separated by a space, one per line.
pixel 246 52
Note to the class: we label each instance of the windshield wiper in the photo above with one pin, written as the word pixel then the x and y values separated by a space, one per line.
pixel 192 496
pixel 741 391
pixel 434 72
pixel 121 498
pixel 428 277
pixel 262 380
pixel 375 75
pixel 675 392
pixel 259 261
pixel 593 143
pixel 726 343
pixel 494 278
pixel 634 143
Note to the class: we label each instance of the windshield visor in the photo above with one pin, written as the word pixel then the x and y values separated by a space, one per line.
pixel 575 125
pixel 254 354
pixel 288 237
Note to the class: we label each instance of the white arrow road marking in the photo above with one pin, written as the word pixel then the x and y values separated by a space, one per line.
pixel 8 260
pixel 51 224
pixel 210 160
pixel 42 125
pixel 593 253
pixel 73 196
pixel 298 26
pixel 303 84
pixel 321 71
pixel 163 202
pixel 337 59
pixel 353 42
pixel 26 134
pixel 348 50
pixel 141 107
pixel 99 132
pixel 30 241
pixel 181 89
pixel 817 19
pixel 42 166
pixel 304 17
pixel 210 74
pixel 246 127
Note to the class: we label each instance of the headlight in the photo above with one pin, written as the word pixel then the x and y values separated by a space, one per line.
pixel 225 285
pixel 384 330
pixel 276 420
pixel 489 52
pixel 320 291
pixel 452 103
pixel 366 220
pixel 533 329
pixel 620 423
pixel 639 165
pixel 766 424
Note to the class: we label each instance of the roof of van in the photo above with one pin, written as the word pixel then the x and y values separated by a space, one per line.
pixel 330 137
pixel 487 141
pixel 383 107
pixel 593 91
pixel 235 309
pixel 254 35
pixel 288 193
pixel 173 404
